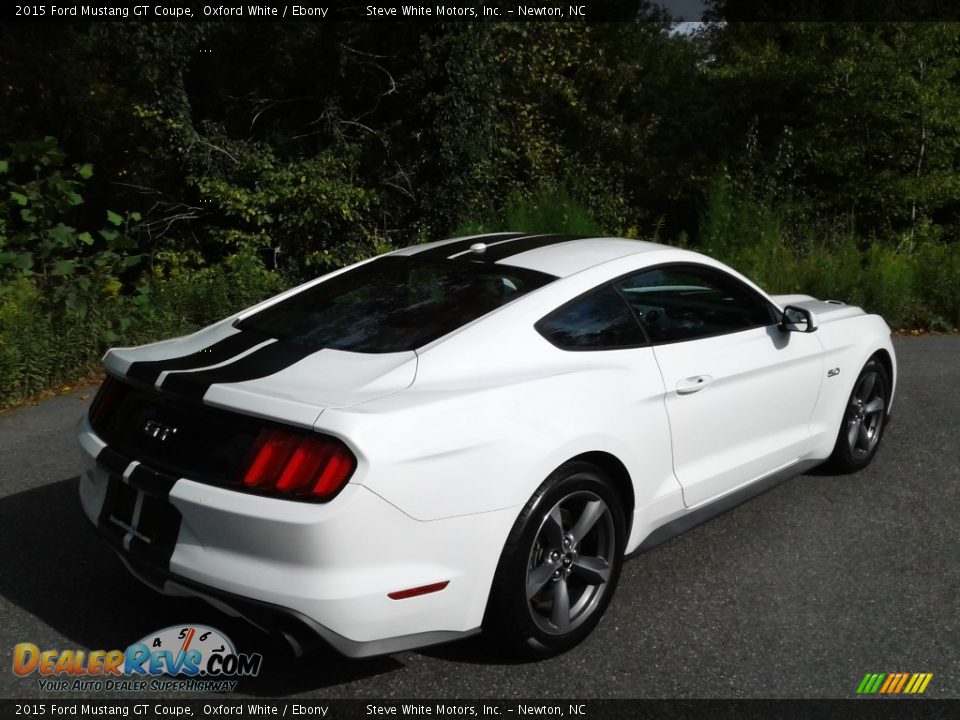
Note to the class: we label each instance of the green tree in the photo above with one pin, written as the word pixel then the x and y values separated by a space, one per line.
pixel 858 121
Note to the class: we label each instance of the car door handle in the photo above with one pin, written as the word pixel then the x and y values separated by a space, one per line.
pixel 693 384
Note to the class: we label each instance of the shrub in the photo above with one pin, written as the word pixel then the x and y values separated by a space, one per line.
pixel 937 284
pixel 888 283
pixel 41 350
pixel 831 270
pixel 911 286
pixel 41 201
pixel 745 234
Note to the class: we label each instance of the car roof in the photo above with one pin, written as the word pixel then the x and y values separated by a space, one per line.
pixel 558 255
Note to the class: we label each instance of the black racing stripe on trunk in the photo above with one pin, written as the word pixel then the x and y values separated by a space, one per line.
pixel 442 252
pixel 502 251
pixel 151 482
pixel 112 461
pixel 110 531
pixel 168 520
pixel 159 520
pixel 147 371
pixel 263 362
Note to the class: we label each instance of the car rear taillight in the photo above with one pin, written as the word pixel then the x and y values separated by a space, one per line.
pixel 104 402
pixel 312 467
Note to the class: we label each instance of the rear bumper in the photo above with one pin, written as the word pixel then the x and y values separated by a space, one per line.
pixel 301 570
pixel 300 632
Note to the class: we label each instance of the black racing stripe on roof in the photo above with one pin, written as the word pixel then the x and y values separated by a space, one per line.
pixel 502 251
pixel 442 252
pixel 147 371
pixel 260 363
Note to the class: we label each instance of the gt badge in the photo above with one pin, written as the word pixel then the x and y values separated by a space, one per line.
pixel 151 428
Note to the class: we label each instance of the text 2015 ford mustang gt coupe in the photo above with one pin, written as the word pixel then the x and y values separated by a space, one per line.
pixel 468 434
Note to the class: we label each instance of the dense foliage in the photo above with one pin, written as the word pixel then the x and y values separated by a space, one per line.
pixel 156 176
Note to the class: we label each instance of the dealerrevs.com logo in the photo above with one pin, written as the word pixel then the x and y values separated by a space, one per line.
pixel 181 657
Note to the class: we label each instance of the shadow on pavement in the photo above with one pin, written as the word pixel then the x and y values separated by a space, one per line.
pixel 55 568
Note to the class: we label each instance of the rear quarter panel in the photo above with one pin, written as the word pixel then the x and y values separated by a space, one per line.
pixel 463 443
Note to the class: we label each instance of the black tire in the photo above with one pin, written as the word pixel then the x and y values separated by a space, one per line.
pixel 864 419
pixel 568 541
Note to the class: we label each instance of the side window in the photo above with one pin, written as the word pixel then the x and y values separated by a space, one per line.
pixel 600 320
pixel 686 302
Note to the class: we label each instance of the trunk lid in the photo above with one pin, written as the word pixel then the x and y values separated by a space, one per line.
pixel 193 407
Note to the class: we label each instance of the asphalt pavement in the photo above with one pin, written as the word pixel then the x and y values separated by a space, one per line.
pixel 797 593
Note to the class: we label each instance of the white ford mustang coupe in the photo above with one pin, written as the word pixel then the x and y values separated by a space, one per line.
pixel 468 434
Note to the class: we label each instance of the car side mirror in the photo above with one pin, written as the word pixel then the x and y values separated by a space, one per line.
pixel 797 319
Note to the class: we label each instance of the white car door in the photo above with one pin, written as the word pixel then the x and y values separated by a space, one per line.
pixel 739 392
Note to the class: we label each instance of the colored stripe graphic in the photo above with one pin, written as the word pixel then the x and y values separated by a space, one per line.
pixel 918 683
pixel 903 679
pixel 891 680
pixel 894 683
pixel 870 683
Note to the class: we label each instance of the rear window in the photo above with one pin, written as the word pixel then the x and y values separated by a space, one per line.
pixel 393 304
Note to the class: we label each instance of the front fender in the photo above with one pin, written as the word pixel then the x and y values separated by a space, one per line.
pixel 848 345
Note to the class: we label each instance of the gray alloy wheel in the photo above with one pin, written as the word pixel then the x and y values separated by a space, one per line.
pixel 864 420
pixel 865 415
pixel 560 564
pixel 570 562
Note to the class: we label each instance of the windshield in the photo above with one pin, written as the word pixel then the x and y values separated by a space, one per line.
pixel 393 303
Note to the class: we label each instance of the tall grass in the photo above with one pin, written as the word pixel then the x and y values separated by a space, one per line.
pixel 911 284
pixel 548 210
